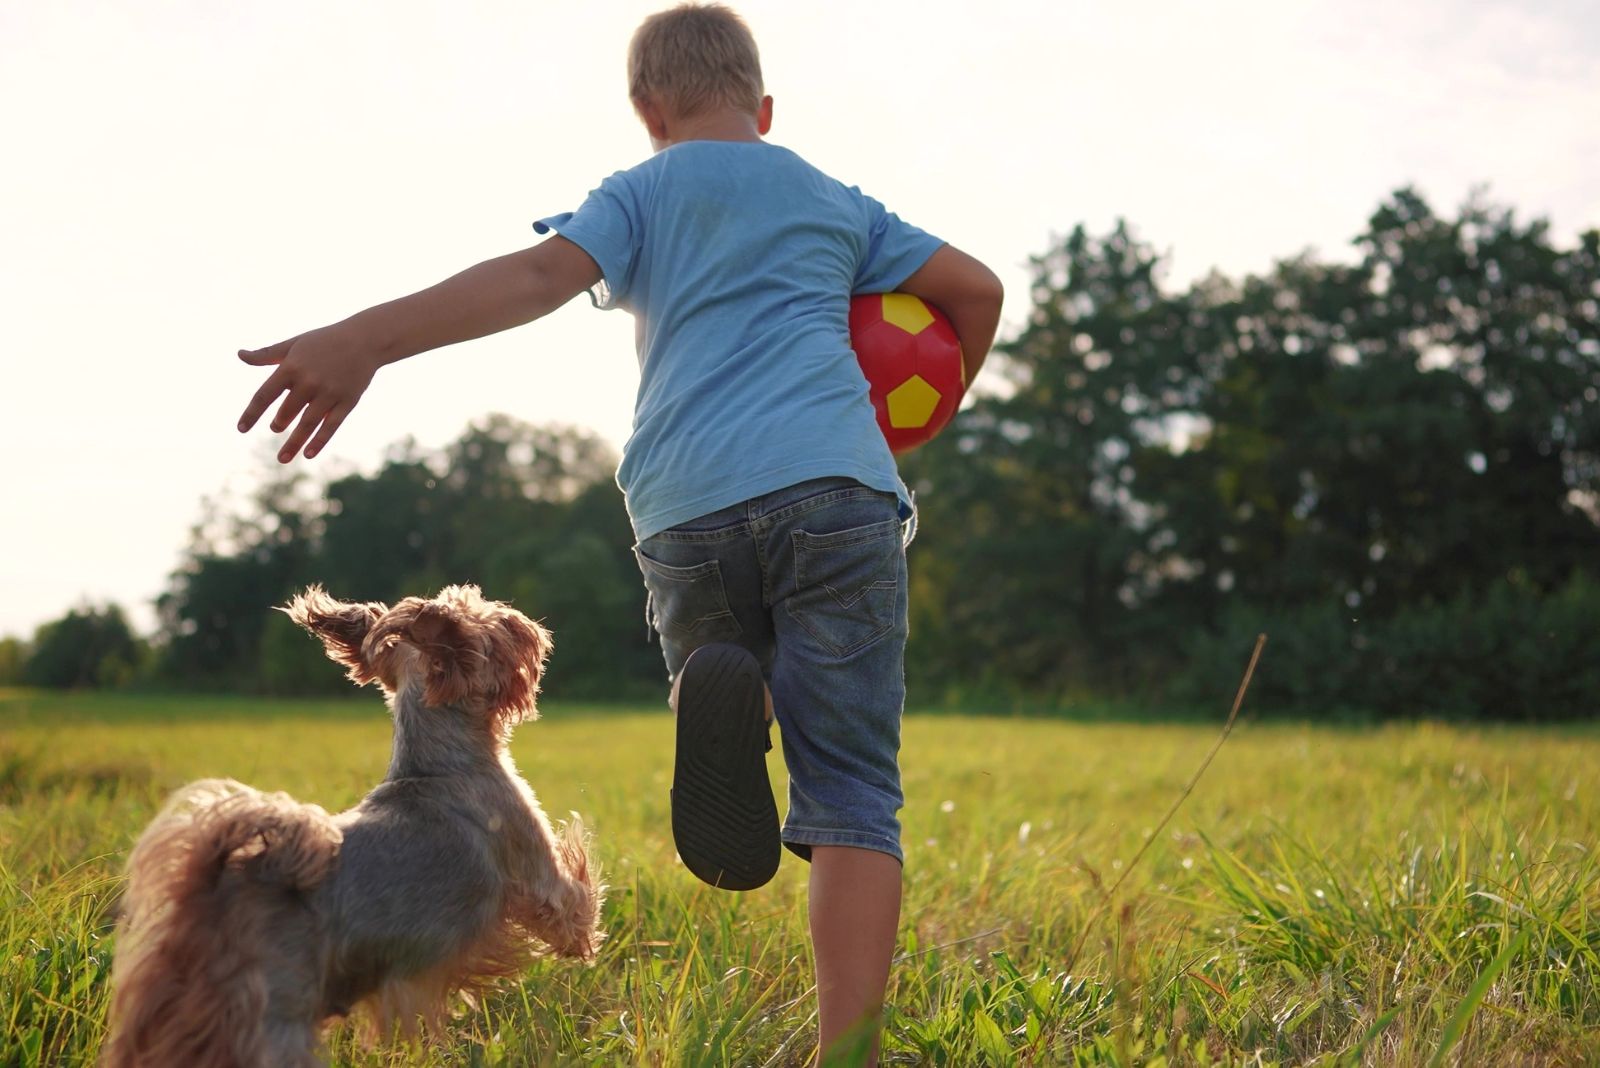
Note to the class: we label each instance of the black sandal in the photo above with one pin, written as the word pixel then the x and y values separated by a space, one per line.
pixel 724 820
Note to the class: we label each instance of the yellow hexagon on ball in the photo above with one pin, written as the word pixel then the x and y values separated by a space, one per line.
pixel 911 358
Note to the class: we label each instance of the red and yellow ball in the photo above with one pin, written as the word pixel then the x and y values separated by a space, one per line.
pixel 912 361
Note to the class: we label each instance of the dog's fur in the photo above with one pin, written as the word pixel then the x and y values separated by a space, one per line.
pixel 251 919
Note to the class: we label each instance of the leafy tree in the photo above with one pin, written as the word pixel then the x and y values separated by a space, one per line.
pixel 1032 500
pixel 379 531
pixel 1393 432
pixel 236 568
pixel 529 513
pixel 13 653
pixel 578 576
pixel 88 647
pixel 1329 441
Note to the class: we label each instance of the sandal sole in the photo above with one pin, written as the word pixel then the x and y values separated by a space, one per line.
pixel 724 818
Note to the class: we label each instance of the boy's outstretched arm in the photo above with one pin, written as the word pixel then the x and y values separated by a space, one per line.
pixel 322 374
pixel 966 291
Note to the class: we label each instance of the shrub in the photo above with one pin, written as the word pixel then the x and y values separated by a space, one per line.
pixel 89 647
pixel 1509 653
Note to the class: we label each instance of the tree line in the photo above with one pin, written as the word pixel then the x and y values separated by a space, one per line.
pixel 1390 465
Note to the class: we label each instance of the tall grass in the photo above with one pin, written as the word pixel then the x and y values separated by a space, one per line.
pixel 1410 895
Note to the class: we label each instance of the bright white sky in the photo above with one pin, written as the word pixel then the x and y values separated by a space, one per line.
pixel 183 178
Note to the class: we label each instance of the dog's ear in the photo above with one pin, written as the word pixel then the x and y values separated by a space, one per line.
pixel 342 627
pixel 519 648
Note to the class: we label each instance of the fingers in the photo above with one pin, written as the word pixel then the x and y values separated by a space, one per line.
pixel 327 418
pixel 308 422
pixel 297 399
pixel 317 380
pixel 275 384
pixel 329 425
pixel 269 355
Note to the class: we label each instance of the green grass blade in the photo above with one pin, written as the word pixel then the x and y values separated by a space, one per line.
pixel 1353 1055
pixel 1458 1020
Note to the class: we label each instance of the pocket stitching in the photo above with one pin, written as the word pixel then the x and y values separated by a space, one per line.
pixel 673 573
pixel 689 575
pixel 838 540
pixel 849 602
pixel 805 540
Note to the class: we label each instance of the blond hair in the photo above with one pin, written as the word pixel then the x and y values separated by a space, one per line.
pixel 693 57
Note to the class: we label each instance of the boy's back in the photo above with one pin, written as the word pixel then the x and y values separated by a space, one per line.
pixel 738 259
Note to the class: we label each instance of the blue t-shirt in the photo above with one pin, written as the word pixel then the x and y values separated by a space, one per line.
pixel 738 260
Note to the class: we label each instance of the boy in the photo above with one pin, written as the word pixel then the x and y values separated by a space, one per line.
pixel 766 503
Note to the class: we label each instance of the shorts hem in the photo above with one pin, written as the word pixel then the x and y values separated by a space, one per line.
pixel 799 840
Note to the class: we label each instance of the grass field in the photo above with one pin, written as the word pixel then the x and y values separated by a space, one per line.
pixel 1407 895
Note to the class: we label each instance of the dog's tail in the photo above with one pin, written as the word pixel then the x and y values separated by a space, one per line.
pixel 206 883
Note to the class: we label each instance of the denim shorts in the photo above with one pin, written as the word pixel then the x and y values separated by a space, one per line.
pixel 812 581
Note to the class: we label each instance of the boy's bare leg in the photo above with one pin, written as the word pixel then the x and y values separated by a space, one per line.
pixel 855 915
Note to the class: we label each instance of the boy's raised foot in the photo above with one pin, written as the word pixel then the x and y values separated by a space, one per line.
pixel 724 820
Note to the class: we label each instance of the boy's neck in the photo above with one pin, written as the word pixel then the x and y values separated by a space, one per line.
pixel 710 126
pixel 713 124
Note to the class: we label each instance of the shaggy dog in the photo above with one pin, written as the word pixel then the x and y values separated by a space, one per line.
pixel 250 919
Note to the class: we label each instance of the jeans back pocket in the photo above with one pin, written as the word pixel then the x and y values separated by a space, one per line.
pixel 688 604
pixel 847 593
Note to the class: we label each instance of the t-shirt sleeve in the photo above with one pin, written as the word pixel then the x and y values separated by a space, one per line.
pixel 894 250
pixel 609 226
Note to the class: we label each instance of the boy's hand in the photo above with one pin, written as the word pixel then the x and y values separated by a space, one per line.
pixel 323 373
